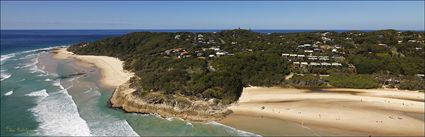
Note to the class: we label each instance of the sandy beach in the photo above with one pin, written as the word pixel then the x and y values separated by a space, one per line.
pixel 111 68
pixel 354 111
pixel 368 111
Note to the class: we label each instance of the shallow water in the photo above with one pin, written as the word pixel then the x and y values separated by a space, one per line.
pixel 36 101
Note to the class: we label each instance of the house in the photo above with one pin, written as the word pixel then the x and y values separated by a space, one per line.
pixel 215 48
pixel 221 53
pixel 324 58
pixel 314 64
pixel 304 45
pixel 411 41
pixel 337 46
pixel 324 34
pixel 325 64
pixel 336 64
pixel 307 45
pixel 297 64
pixel 300 56
pixel 285 54
pixel 303 64
pixel 177 37
pixel 308 51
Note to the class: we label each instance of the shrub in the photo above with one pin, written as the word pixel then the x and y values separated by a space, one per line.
pixel 353 81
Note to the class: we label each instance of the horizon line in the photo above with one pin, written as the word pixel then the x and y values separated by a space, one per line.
pixel 227 29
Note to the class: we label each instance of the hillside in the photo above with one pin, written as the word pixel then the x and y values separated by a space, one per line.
pixel 218 65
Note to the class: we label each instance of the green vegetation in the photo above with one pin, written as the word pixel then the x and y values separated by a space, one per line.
pixel 412 83
pixel 306 81
pixel 218 65
pixel 353 81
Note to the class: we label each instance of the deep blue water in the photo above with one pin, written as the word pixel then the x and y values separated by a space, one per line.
pixel 21 40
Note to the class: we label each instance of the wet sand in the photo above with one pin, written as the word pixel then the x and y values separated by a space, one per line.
pixel 268 126
pixel 112 71
pixel 367 112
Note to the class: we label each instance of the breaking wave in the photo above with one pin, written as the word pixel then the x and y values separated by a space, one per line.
pixel 39 93
pixel 4 58
pixel 4 75
pixel 8 93
pixel 239 132
pixel 58 115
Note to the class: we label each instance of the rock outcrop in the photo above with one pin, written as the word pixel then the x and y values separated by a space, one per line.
pixel 182 107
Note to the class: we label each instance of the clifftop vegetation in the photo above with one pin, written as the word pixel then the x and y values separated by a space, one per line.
pixel 218 65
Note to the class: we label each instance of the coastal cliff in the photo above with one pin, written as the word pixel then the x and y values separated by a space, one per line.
pixel 129 100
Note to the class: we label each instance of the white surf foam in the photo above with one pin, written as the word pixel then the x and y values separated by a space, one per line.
pixel 47 79
pixel 239 132
pixel 4 58
pixel 39 93
pixel 189 124
pixel 113 128
pixel 57 83
pixel 58 116
pixel 33 68
pixel 8 93
pixel 4 75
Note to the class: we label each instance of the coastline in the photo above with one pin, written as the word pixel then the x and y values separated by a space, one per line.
pixel 124 97
pixel 368 111
pixel 111 68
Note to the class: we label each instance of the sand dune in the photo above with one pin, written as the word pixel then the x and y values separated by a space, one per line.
pixel 111 68
pixel 373 112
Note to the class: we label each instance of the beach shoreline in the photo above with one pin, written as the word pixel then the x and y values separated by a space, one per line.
pixel 368 111
pixel 124 97
pixel 112 72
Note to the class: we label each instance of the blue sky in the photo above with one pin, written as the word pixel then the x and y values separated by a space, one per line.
pixel 360 15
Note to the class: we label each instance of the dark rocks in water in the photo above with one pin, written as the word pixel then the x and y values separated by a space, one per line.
pixel 71 75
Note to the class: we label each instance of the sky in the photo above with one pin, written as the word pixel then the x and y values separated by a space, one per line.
pixel 329 15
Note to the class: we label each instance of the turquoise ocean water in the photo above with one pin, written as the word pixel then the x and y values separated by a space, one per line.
pixel 37 100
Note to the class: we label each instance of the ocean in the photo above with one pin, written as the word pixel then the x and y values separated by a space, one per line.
pixel 36 98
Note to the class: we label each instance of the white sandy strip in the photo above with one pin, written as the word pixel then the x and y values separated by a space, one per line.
pixel 376 114
pixel 390 93
pixel 111 68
